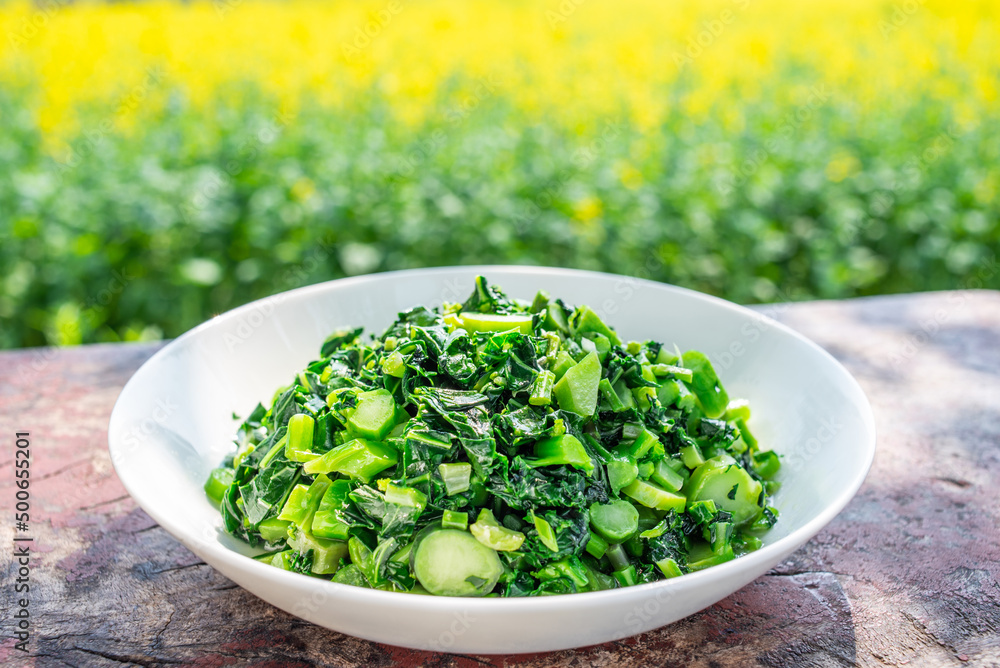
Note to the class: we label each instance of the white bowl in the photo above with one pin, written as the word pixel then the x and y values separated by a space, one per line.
pixel 173 423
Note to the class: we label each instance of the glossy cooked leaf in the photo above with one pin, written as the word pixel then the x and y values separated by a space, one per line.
pixel 577 390
pixel 486 298
pixel 560 486
pixel 338 340
pixel 264 495
pixel 570 528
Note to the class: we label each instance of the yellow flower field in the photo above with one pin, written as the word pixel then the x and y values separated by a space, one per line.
pixel 576 58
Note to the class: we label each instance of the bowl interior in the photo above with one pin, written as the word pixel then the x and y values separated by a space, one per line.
pixel 174 420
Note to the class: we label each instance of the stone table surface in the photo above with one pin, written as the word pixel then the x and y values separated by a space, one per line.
pixel 907 574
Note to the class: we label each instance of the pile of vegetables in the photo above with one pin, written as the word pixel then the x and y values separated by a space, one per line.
pixel 498 448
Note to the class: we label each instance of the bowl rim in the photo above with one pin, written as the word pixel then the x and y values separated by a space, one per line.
pixel 751 561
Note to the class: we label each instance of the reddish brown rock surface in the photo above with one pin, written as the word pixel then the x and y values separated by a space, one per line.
pixel 906 575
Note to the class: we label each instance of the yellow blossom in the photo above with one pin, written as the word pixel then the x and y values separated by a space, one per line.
pixel 644 58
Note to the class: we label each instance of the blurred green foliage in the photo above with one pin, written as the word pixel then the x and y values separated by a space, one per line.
pixel 144 235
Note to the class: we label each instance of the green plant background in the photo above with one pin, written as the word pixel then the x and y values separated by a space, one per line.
pixel 145 234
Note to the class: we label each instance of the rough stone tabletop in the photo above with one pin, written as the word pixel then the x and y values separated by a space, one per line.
pixel 906 575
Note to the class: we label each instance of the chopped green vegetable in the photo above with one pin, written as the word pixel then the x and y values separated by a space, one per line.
pixel 328 521
pixel 373 416
pixel 453 563
pixel 720 536
pixel 562 364
pixel 324 555
pixel 495 448
pixel 702 511
pixel 621 474
pixel 405 496
pixel 394 365
pixel 610 396
pixel 304 501
pixel 555 318
pixel 670 370
pixel 691 456
pixel 351 575
pixel 738 409
pixel 669 568
pixel 617 557
pixel 585 320
pixel 357 458
pixel 545 533
pixel 666 477
pixel 488 322
pixel 457 477
pixel 274 530
pixel 452 519
pixel 577 390
pixel 218 482
pixel 570 568
pixel 488 532
pixel 729 486
pixel 643 443
pixel 702 556
pixel 615 521
pixel 541 389
pixel 626 577
pixel 652 496
pixel 596 546
pixel 745 434
pixel 298 447
pixel 766 464
pixel 563 449
pixel 705 384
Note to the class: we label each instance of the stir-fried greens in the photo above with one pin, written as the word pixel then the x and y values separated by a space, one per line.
pixel 500 448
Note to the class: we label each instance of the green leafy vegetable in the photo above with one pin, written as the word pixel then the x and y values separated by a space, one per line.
pixel 494 447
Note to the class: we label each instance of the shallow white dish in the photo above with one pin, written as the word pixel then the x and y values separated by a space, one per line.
pixel 173 423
